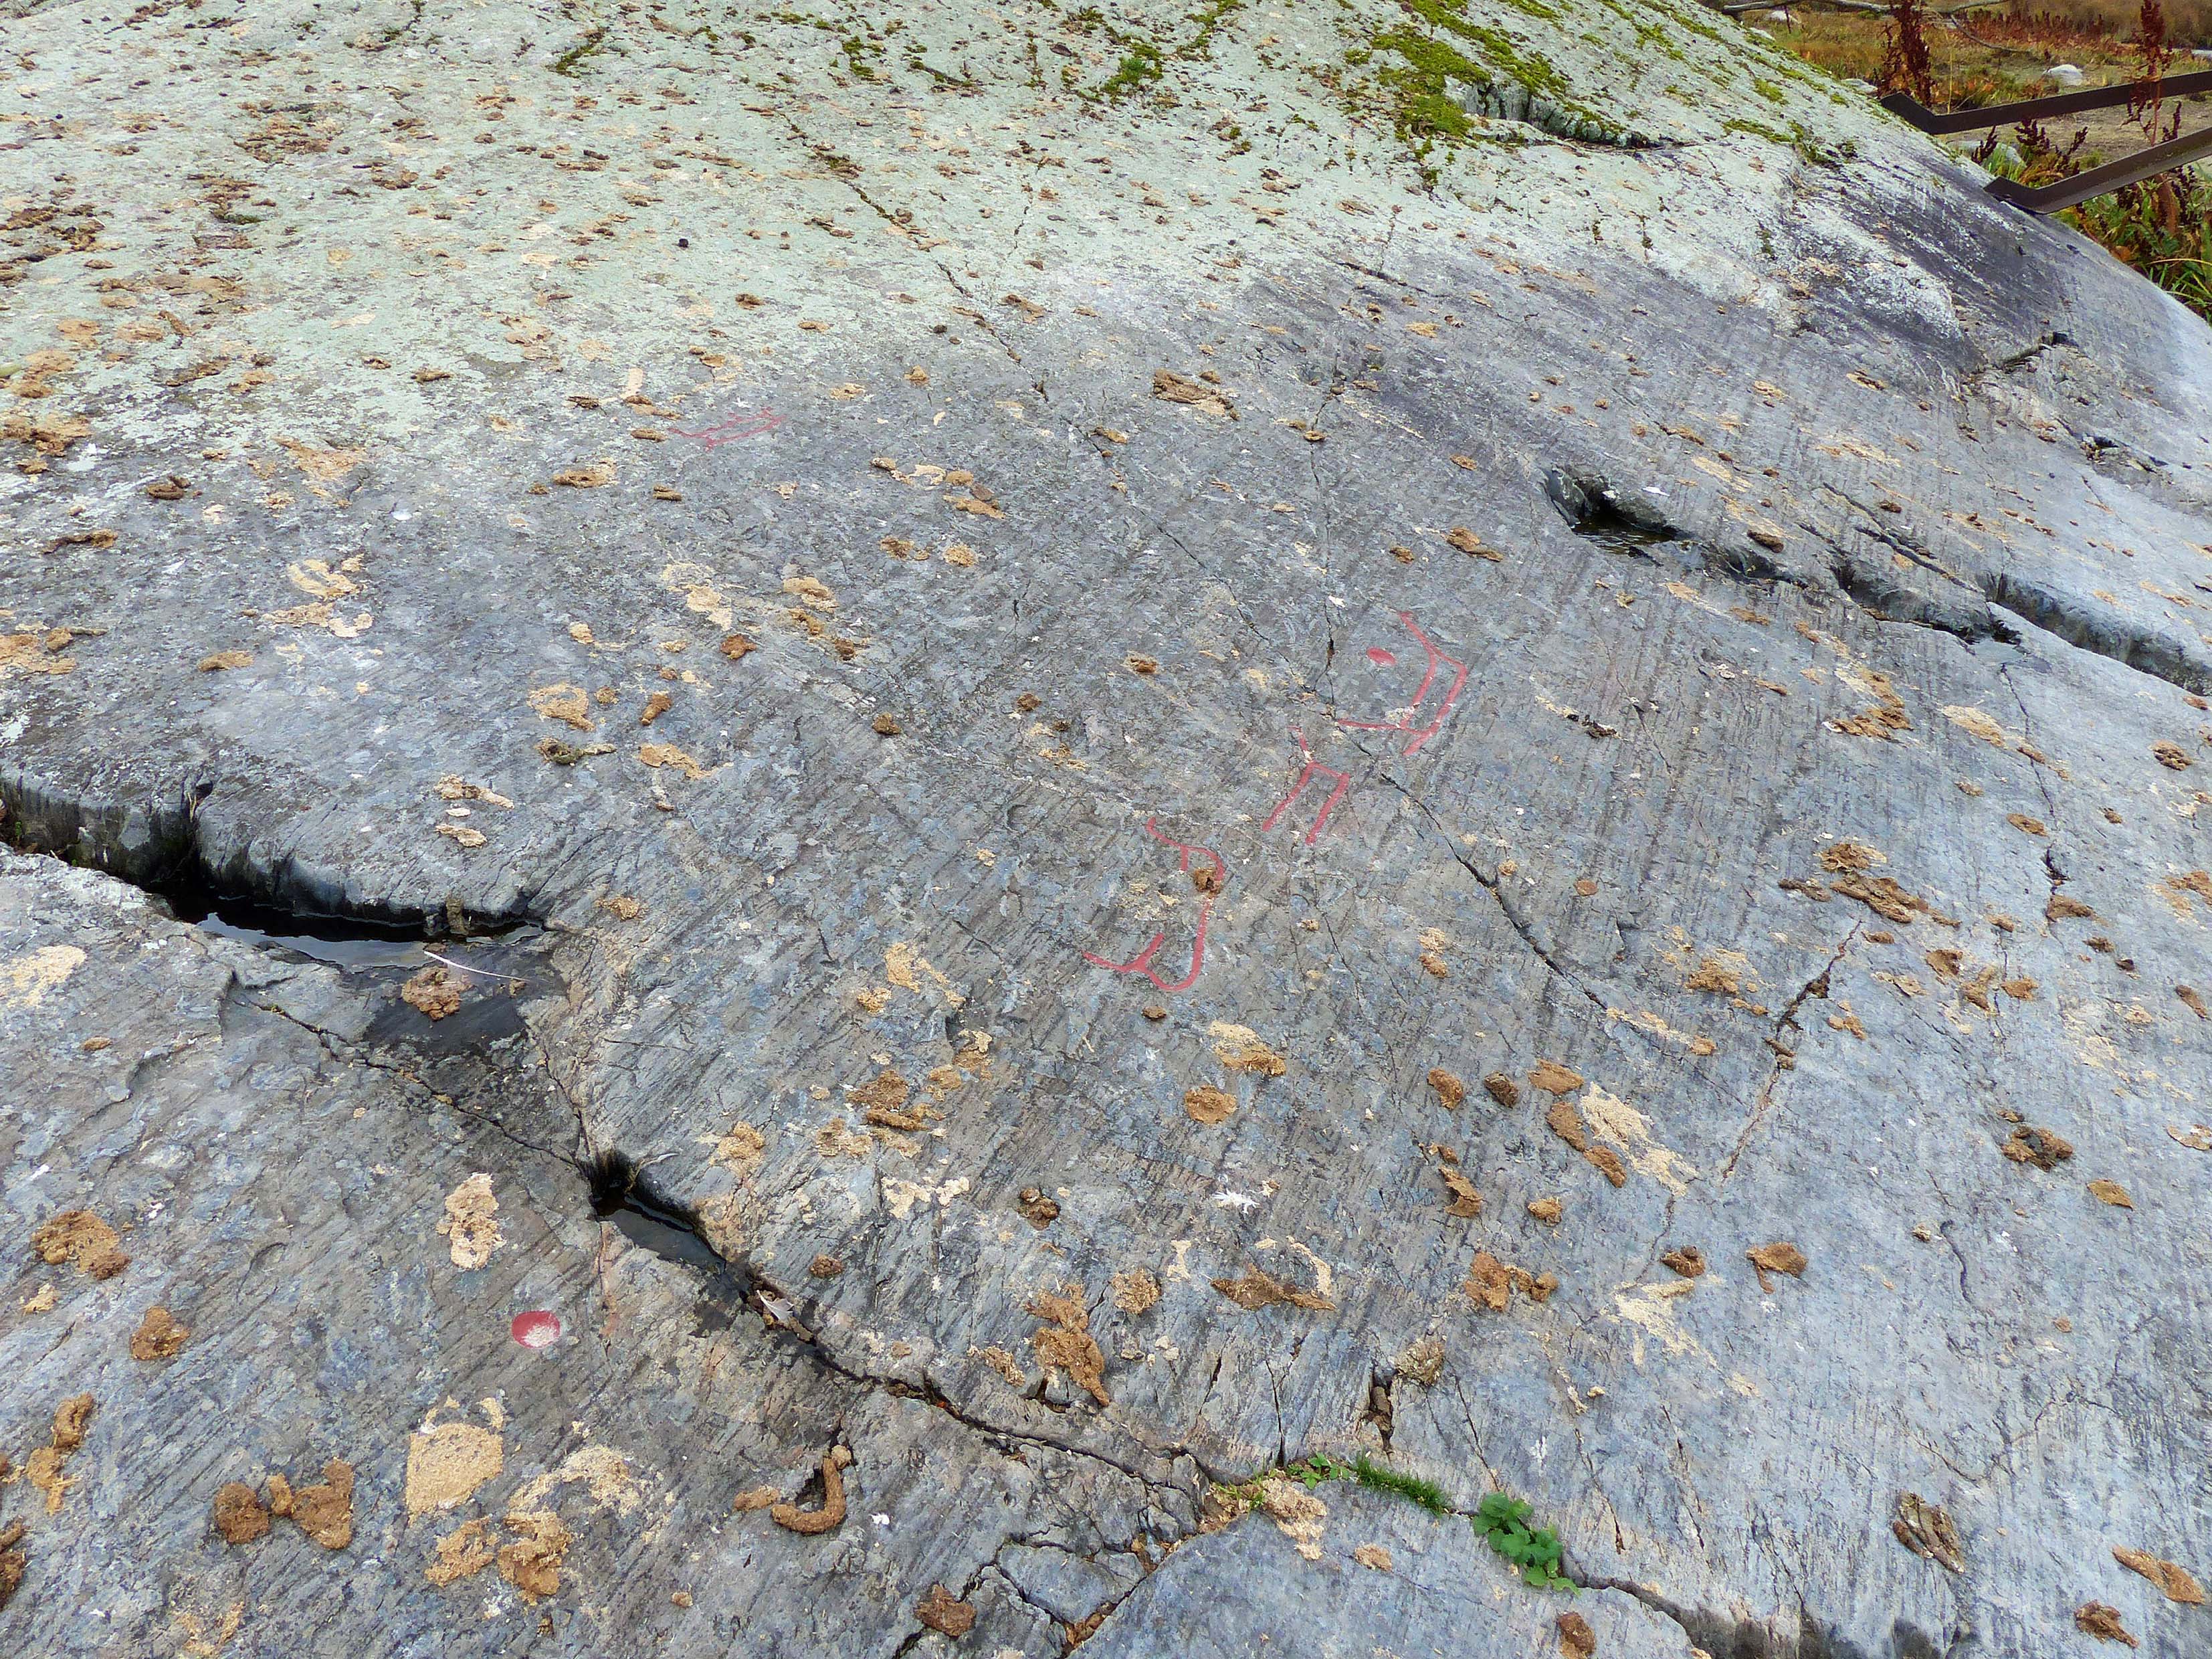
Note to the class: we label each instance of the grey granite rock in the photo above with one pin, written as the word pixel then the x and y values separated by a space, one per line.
pixel 885 607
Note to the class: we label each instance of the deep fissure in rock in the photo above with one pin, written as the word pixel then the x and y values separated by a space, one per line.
pixel 1885 600
pixel 653 1221
pixel 157 846
pixel 2106 635
pixel 1621 521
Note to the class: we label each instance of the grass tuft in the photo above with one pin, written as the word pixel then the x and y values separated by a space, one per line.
pixel 1429 1495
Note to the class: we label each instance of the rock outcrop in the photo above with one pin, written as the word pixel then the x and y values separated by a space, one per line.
pixel 885 712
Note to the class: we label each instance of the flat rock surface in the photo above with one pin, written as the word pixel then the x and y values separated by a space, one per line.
pixel 1069 758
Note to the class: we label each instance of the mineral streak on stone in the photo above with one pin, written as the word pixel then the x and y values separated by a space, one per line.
pixel 1587 490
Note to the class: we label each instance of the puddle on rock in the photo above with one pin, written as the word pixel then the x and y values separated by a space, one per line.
pixel 352 943
pixel 350 953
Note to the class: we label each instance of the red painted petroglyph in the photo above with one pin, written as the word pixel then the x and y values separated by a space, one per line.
pixel 1408 722
pixel 1312 766
pixel 1142 962
pixel 748 425
pixel 1416 735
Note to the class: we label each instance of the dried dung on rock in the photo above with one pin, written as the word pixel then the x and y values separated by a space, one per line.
pixel 1171 387
pixel 883 1104
pixel 1066 1343
pixel 470 1222
pixel 792 1518
pixel 2103 1622
pixel 1882 895
pixel 1239 1049
pixel 1209 1105
pixel 2029 1144
pixel 2174 1582
pixel 1927 1530
pixel 1466 1202
pixel 1566 1123
pixel 435 991
pixel 1423 1361
pixel 44 1467
pixel 239 1514
pixel 324 1511
pixel 1036 1209
pixel 1552 1077
pixel 1256 1290
pixel 1297 1512
pixel 945 1613
pixel 463 1553
pixel 1136 1290
pixel 158 1336
pixel 532 1562
pixel 1779 1257
pixel 1490 1283
pixel 81 1237
pixel 13 1562
pixel 446 1464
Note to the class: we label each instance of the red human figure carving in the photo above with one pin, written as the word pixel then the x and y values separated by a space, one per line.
pixel 751 425
pixel 1142 962
pixel 1417 735
pixel 1312 766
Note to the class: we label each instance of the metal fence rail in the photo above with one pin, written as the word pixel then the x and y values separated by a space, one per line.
pixel 2035 109
pixel 2147 163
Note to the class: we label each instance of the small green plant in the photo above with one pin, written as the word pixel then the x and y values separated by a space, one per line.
pixel 1536 1550
pixel 1315 1469
pixel 1411 1487
pixel 1141 65
pixel 568 61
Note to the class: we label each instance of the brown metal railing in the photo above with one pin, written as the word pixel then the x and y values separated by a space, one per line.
pixel 2146 163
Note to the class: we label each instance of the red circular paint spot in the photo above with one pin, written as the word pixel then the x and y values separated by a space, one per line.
pixel 537 1330
pixel 1375 653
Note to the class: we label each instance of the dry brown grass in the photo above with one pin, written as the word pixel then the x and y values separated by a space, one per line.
pixel 1990 56
pixel 2188 22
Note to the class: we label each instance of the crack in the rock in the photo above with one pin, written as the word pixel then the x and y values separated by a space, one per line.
pixel 1492 885
pixel 663 1211
pixel 818 149
pixel 1890 601
pixel 2021 359
pixel 2108 636
pixel 158 846
pixel 1784 1059
pixel 349 1054
pixel 752 1289
pixel 2006 600
pixel 2052 873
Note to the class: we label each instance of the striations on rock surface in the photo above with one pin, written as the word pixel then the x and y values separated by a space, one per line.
pixel 768 773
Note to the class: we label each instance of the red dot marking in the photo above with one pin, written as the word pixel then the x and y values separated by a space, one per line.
pixel 536 1329
pixel 1375 653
